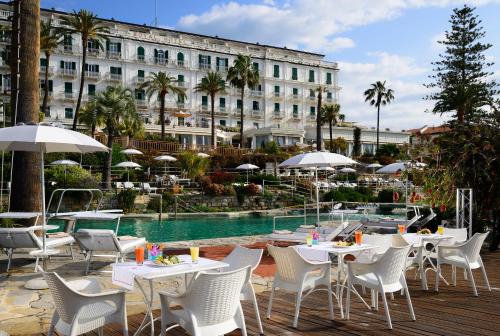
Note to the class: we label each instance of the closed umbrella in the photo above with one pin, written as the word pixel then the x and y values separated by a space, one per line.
pixel 127 165
pixel 165 158
pixel 247 167
pixel 46 139
pixel 317 160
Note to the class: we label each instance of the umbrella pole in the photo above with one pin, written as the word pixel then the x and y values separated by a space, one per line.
pixel 247 176
pixel 42 181
pixel 317 199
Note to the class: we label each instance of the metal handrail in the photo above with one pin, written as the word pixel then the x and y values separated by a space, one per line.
pixel 291 216
pixel 63 191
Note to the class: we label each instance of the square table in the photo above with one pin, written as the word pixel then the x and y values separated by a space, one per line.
pixel 126 274
pixel 325 249
pixel 420 241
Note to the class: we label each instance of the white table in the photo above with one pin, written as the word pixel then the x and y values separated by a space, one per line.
pixel 421 241
pixel 126 274
pixel 323 250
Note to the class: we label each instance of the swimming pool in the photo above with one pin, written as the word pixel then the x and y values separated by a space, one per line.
pixel 198 228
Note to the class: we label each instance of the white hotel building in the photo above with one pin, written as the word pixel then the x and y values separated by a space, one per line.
pixel 281 108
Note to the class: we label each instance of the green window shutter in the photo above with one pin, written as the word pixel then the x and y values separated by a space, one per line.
pixel 217 60
pixel 166 54
pixel 312 109
pixel 86 67
pixel 277 89
pixel 200 58
pixel 97 67
pixel 311 93
pixel 276 71
pixel 107 45
pixel 73 65
pixel 112 70
pixel 222 102
pixel 140 51
pixel 276 107
pixel 328 78
pixel 209 60
pixel 119 71
pixel 43 62
pixel 140 73
pixel 180 56
pixel 119 47
pixel 311 75
pixel 61 64
pixel 51 85
pixel 226 63
pixel 255 105
pixel 91 90
pixel 180 78
pixel 295 91
pixel 329 95
pixel 239 103
pixel 256 66
pixel 156 53
pixel 294 74
pixel 68 87
pixel 204 100
pixel 295 108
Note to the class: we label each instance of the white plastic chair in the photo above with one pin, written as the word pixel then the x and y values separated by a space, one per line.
pixel 465 255
pixel 459 235
pixel 296 274
pixel 80 306
pixel 92 240
pixel 382 243
pixel 386 275
pixel 210 306
pixel 241 257
pixel 146 187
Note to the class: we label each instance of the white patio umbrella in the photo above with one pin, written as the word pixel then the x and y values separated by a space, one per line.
pixel 131 151
pixel 317 160
pixel 46 139
pixel 203 155
pixel 127 165
pixel 400 166
pixel 64 163
pixel 165 158
pixel 374 166
pixel 247 167
pixel 346 171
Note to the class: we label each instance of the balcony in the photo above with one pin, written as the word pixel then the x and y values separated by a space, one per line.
pixel 42 93
pixel 204 66
pixel 68 73
pixel 113 77
pixel 92 75
pixel 296 96
pixel 257 113
pixel 222 68
pixel 161 60
pixel 181 106
pixel 5 89
pixel 295 116
pixel 329 99
pixel 179 63
pixel 139 80
pixel 113 54
pixel 141 104
pixel 256 93
pixel 68 49
pixel 50 68
pixel 277 114
pixel 203 108
pixel 93 52
pixel 5 39
pixel 68 96
pixel 311 98
pixel 311 117
pixel 182 84
pixel 141 59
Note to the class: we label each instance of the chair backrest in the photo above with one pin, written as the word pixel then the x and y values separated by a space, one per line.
pixel 241 257
pixel 146 186
pixel 97 240
pixel 19 238
pixel 399 241
pixel 337 206
pixel 382 241
pixel 422 222
pixel 391 264
pixel 412 221
pixel 472 247
pixel 289 263
pixel 63 296
pixel 128 185
pixel 459 235
pixel 119 185
pixel 349 230
pixel 336 231
pixel 214 297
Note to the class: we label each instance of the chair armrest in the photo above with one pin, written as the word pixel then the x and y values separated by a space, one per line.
pixel 103 295
pixel 85 286
pixel 357 268
pixel 173 299
pixel 444 251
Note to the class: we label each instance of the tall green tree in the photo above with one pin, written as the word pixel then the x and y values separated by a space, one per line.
pixel 379 95
pixel 90 28
pixel 50 38
pixel 91 116
pixel 212 84
pixel 319 134
pixel 272 149
pixel 331 114
pixel 356 143
pixel 460 82
pixel 240 75
pixel 115 104
pixel 192 164
pixel 161 84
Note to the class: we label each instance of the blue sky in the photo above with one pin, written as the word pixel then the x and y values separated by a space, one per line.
pixel 393 41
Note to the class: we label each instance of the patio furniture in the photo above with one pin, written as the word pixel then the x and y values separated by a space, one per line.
pixel 299 236
pixel 386 275
pixel 129 186
pixel 459 235
pixel 127 274
pixel 381 243
pixel 92 240
pixel 422 222
pixel 81 307
pixel 177 180
pixel 147 188
pixel 296 274
pixel 210 306
pixel 463 255
pixel 12 239
pixel 241 257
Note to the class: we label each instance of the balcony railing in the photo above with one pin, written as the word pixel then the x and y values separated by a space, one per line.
pixel 311 97
pixel 95 75
pixel 141 103
pixel 113 54
pixel 204 66
pixel 222 109
pixel 68 72
pixel 256 112
pixel 179 63
pixel 141 58
pixel 114 77
pixel 93 52
pixel 295 116
pixel 222 68
pixel 329 99
pixel 204 108
pixel 277 114
pixel 43 68
pixel 161 60
pixel 139 80
pixel 256 93
pixel 182 84
pixel 68 48
pixel 295 96
pixel 181 106
pixel 42 93
pixel 276 94
pixel 68 96
pixel 5 39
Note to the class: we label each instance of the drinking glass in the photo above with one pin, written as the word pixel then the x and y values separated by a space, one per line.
pixel 195 253
pixel 139 255
pixel 309 241
pixel 441 230
pixel 358 237
pixel 401 229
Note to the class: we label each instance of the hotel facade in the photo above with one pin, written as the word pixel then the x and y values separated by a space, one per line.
pixel 281 108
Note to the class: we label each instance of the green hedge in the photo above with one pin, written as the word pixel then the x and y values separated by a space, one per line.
pixel 342 194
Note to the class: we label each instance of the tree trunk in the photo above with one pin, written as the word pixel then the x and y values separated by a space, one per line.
pixel 26 188
pixel 242 140
pixel 82 83
pixel 214 140
pixel 331 133
pixel 378 125
pixel 46 87
pixel 318 122
pixel 14 54
pixel 106 173
pixel 162 115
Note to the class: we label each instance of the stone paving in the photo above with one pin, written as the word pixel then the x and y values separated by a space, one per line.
pixel 24 311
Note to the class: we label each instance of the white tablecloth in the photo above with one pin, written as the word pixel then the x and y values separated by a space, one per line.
pixel 321 251
pixel 418 239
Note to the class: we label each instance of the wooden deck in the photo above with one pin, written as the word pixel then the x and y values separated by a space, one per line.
pixel 452 311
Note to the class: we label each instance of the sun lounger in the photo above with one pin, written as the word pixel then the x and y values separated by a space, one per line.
pixel 12 239
pixel 91 241
pixel 325 234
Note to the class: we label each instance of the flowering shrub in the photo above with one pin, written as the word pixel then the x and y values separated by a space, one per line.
pixel 222 177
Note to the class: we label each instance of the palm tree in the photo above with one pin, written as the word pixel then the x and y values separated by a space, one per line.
pixel 91 116
pixel 86 24
pixel 192 165
pixel 378 95
pixel 115 104
pixel 331 114
pixel 162 83
pixel 212 84
pixel 240 75
pixel 49 41
pixel 320 90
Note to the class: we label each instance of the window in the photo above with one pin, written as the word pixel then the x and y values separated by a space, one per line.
pixel 311 76
pixel 238 123
pixel 68 68
pixel 256 66
pixel 312 111
pixel 328 78
pixel 67 41
pixel 92 46
pixel 68 113
pixel 113 48
pixel 180 58
pixel 239 105
pixel 255 105
pixel 43 62
pixel 91 89
pixel 276 107
pixel 295 111
pixel 204 61
pixel 311 93
pixel 180 121
pixel 222 102
pixel 256 125
pixel 180 80
pixel 222 64
pixel 295 92
pixel 140 73
pixel 68 87
pixel 329 96
pixel 47 112
pixel 161 56
pixel 140 54
pixel 42 85
pixel 276 90
pixel 276 71
pixel 204 101
pixel 222 122
pixel 115 70
pixel 140 94
pixel 181 99
pixel 295 75
pixel 91 67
